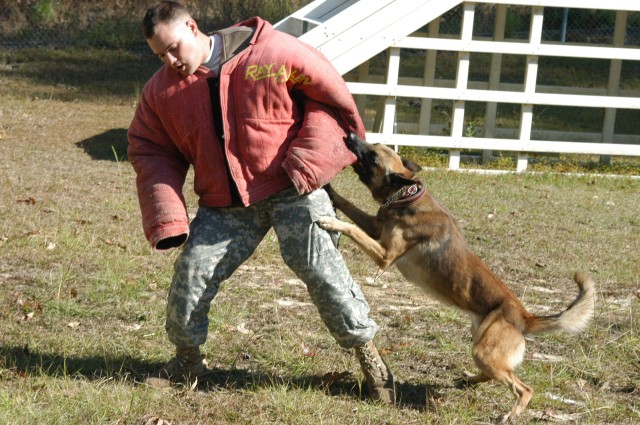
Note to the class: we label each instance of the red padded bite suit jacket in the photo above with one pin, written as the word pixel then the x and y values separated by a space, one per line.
pixel 285 113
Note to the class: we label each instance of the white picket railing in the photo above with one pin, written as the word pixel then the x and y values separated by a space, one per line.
pixel 527 96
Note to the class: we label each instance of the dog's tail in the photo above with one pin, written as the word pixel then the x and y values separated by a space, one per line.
pixel 575 318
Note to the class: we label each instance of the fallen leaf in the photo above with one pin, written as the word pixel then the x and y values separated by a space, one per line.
pixel 118 244
pixel 154 420
pixel 331 377
pixel 29 201
pixel 286 302
pixel 133 328
pixel 562 417
pixel 307 350
pixel 243 329
pixel 29 308
pixel 71 293
pixel 543 289
pixel 73 325
pixel 159 383
pixel 563 399
pixel 385 351
pixel 547 357
pixel 28 316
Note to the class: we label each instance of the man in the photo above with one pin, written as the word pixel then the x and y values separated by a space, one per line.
pixel 262 118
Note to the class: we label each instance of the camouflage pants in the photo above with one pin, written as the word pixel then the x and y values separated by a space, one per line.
pixel 222 239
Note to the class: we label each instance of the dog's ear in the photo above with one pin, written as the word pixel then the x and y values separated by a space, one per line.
pixel 410 165
pixel 397 179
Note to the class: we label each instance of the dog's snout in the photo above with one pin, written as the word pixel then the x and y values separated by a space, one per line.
pixel 352 141
pixel 357 145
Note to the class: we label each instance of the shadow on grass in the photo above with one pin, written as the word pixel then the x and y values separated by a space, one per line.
pixel 24 362
pixel 86 73
pixel 110 145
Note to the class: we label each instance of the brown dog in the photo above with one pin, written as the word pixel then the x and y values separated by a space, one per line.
pixel 417 234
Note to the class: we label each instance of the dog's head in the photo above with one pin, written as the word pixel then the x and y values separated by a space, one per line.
pixel 380 168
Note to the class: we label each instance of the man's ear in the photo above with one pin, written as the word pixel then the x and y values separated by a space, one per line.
pixel 397 179
pixel 410 165
pixel 193 26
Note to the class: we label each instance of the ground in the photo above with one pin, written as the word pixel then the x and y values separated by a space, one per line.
pixel 82 294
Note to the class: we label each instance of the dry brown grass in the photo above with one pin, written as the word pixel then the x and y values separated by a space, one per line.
pixel 82 296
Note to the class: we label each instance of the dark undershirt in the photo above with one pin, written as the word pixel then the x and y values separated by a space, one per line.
pixel 214 91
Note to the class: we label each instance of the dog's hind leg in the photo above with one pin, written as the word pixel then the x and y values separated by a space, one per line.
pixel 523 394
pixel 471 379
pixel 498 349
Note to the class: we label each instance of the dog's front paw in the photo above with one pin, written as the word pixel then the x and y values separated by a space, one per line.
pixel 330 223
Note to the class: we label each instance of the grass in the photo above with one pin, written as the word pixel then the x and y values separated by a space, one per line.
pixel 82 296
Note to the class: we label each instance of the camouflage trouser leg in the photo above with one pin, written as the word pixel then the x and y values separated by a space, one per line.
pixel 220 240
pixel 310 252
pixel 223 238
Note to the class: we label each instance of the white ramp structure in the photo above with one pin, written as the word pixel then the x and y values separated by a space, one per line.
pixel 349 32
pixel 369 42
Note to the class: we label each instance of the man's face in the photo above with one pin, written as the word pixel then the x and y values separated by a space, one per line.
pixel 176 44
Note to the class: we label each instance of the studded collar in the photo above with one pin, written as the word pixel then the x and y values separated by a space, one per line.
pixel 404 197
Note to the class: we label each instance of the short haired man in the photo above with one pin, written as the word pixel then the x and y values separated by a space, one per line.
pixel 262 119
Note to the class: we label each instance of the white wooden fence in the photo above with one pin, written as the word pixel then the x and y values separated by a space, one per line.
pixel 523 140
pixel 527 98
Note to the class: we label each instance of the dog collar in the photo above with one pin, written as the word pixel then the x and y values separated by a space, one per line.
pixel 405 196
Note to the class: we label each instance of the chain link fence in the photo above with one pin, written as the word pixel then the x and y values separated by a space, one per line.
pixel 591 26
